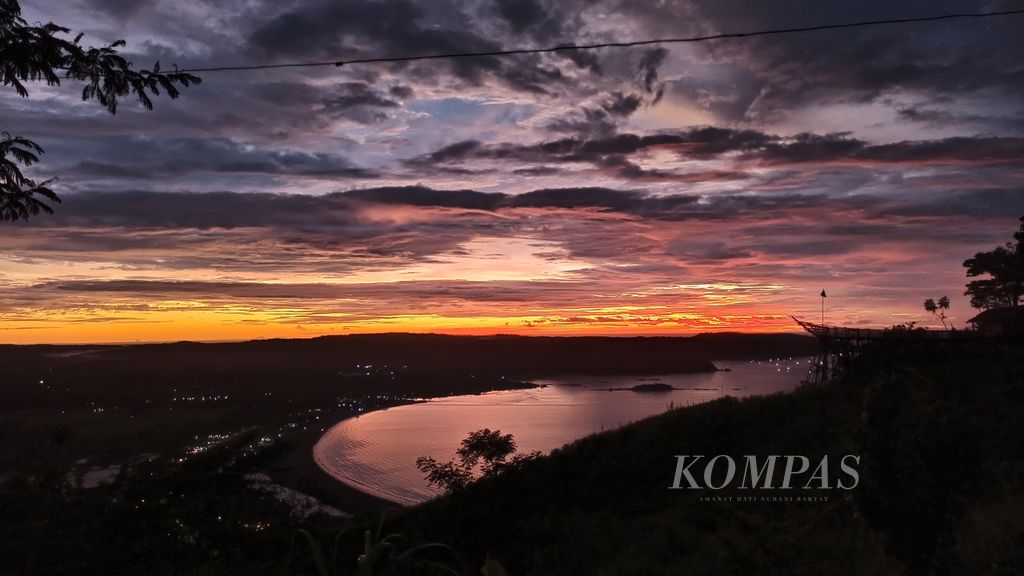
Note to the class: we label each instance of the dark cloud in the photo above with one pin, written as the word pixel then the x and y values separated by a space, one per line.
pixel 809 148
pixel 365 28
pixel 704 143
pixel 647 71
pixel 699 143
pixel 123 9
pixel 507 291
pixel 537 171
pixel 975 204
pixel 356 101
pixel 521 14
pixel 707 252
pixel 981 150
pixel 603 119
pixel 583 59
pixel 423 196
pixel 334 212
pixel 620 104
pixel 402 92
pixel 587 122
pixel 858 65
pixel 245 232
pixel 340 212
pixel 144 158
pixel 812 148
pixel 598 121
pixel 630 171
pixel 170 210
pixel 456 151
pixel 578 198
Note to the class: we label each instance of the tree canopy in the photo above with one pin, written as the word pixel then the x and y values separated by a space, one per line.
pixel 1004 268
pixel 30 53
pixel 486 448
pixel 938 309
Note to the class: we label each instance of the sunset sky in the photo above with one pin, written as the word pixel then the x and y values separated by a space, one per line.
pixel 657 190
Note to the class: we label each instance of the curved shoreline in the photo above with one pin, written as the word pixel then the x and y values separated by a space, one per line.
pixel 351 482
pixel 350 494
pixel 360 477
pixel 299 469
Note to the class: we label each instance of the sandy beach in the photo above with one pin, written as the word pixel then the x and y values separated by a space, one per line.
pixel 298 469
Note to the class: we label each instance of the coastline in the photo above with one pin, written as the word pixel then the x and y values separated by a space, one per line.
pixel 298 466
pixel 298 469
pixel 353 483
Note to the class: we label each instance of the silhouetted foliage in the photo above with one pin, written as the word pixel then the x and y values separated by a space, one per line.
pixel 21 197
pixel 40 54
pixel 938 309
pixel 391 554
pixel 488 449
pixel 1005 268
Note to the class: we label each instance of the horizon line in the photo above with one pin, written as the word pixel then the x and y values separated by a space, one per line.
pixel 397 333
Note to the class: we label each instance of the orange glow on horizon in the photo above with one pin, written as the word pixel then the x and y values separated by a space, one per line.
pixel 214 325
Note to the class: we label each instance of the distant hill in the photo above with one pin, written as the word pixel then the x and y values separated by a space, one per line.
pixel 328 367
pixel 434 354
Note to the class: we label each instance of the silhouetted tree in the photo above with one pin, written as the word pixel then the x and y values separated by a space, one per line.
pixel 488 449
pixel 938 309
pixel 40 54
pixel 1005 269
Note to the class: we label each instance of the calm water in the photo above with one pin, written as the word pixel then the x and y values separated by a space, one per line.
pixel 377 452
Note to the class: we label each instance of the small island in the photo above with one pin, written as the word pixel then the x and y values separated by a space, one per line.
pixel 649 388
pixel 646 387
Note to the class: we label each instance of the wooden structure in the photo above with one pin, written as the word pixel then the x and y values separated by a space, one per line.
pixel 840 343
pixel 1005 322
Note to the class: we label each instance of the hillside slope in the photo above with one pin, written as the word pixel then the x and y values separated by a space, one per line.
pixel 940 438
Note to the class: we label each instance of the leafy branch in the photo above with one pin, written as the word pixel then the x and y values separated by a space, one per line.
pixel 31 53
pixel 486 449
pixel 938 309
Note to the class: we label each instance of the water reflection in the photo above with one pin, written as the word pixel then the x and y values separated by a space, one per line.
pixel 377 452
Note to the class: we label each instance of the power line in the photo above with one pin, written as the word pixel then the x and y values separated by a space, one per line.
pixel 576 47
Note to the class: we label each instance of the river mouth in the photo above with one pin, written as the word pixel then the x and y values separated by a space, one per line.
pixel 376 452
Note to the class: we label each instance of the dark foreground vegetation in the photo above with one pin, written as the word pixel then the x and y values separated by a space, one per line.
pixel 938 428
pixel 180 430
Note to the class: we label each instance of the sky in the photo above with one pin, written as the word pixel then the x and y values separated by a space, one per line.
pixel 669 190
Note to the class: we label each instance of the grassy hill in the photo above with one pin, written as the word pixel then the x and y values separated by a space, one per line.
pixel 942 446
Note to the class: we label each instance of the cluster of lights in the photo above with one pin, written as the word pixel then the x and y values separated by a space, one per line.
pixel 256 526
pixel 781 364
pixel 374 370
pixel 211 441
pixel 212 398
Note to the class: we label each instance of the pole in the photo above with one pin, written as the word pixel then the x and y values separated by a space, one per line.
pixel 823 295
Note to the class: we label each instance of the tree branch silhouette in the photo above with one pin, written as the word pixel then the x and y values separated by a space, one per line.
pixel 39 54
pixel 1004 267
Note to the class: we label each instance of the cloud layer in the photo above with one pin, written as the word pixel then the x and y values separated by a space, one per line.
pixel 666 189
